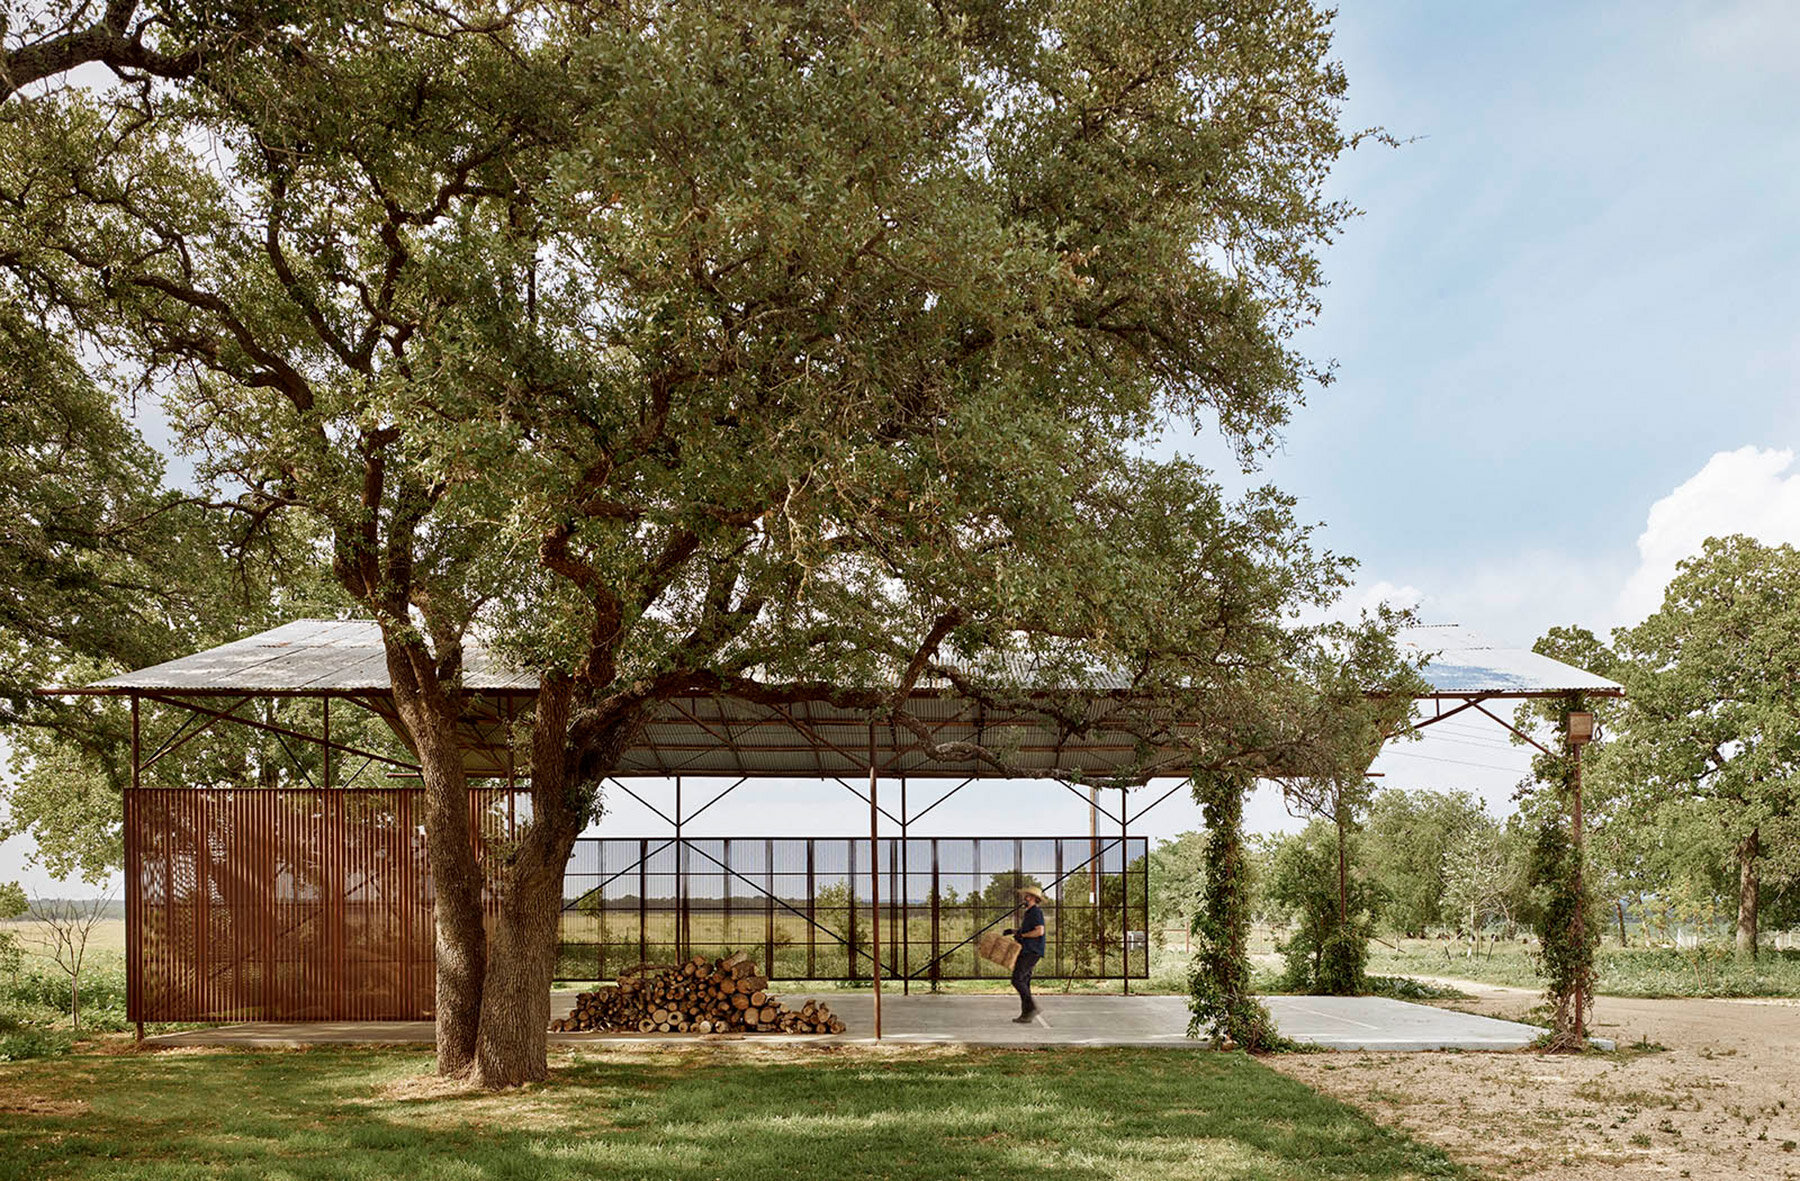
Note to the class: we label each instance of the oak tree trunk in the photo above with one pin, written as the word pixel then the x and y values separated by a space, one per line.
pixel 1748 882
pixel 430 718
pixel 567 763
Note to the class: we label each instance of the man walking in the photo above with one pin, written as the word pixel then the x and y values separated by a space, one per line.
pixel 1030 936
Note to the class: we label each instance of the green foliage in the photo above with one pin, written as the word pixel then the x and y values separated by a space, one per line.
pixel 1403 848
pixel 676 355
pixel 790 349
pixel 1708 738
pixel 1565 945
pixel 1325 954
pixel 1219 992
pixel 1708 970
pixel 1177 869
pixel 1476 878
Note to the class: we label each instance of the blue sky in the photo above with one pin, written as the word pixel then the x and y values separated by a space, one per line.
pixel 1574 285
pixel 1565 330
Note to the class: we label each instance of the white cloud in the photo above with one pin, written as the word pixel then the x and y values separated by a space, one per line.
pixel 1752 491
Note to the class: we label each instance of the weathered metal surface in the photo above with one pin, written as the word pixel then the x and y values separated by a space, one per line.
pixel 283 904
pixel 707 735
pixel 1464 664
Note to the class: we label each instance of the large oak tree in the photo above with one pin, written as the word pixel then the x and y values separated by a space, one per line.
pixel 787 350
pixel 1711 725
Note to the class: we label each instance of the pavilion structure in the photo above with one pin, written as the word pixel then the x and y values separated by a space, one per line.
pixel 312 899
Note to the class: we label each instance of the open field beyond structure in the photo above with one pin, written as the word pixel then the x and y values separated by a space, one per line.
pixel 1722 1099
pixel 747 1113
pixel 1709 970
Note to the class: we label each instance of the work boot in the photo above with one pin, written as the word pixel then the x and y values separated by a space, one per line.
pixel 1025 1017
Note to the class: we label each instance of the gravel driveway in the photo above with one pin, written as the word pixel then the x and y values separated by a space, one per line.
pixel 1723 1100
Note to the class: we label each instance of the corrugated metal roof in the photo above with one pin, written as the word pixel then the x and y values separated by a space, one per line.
pixel 308 655
pixel 321 656
pixel 1464 664
pixel 699 735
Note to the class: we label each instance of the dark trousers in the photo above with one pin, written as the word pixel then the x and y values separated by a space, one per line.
pixel 1021 978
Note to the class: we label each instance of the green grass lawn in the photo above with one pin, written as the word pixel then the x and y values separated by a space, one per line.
pixel 740 1113
pixel 1707 971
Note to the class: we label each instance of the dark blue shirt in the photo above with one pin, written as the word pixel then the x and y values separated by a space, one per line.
pixel 1034 918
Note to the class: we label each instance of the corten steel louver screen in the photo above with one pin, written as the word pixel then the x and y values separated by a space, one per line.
pixel 800 905
pixel 284 904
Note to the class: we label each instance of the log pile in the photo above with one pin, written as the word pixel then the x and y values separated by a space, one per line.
pixel 728 995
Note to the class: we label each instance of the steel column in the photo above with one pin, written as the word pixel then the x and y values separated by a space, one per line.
pixel 874 883
pixel 905 898
pixel 1125 891
pixel 134 893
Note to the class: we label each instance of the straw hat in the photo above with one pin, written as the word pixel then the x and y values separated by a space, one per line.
pixel 1032 892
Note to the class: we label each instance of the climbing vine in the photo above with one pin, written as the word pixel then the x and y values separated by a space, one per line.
pixel 1220 998
pixel 1568 933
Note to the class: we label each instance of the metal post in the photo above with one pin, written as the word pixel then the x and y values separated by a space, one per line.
pixel 937 902
pixel 905 896
pixel 874 885
pixel 681 867
pixel 1094 849
pixel 1580 917
pixel 134 929
pixel 1124 890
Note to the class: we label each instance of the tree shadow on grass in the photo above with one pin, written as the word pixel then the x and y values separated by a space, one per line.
pixel 1066 1114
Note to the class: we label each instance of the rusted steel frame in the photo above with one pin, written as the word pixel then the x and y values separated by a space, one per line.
pixel 937 901
pixel 681 874
pixel 643 860
pixel 696 813
pixel 927 809
pixel 357 774
pixel 1007 914
pixel 298 766
pixel 178 739
pixel 905 899
pixel 1441 716
pixel 769 911
pixel 667 819
pixel 1092 803
pixel 818 740
pixel 1514 729
pixel 847 786
pixel 812 926
pixel 1124 893
pixel 274 729
pixel 1159 799
pixel 134 890
pixel 679 818
pixel 778 901
pixel 874 883
pixel 688 715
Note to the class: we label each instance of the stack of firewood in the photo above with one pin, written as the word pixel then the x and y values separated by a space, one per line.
pixel 701 996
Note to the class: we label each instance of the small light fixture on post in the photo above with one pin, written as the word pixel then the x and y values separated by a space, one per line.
pixel 1581 729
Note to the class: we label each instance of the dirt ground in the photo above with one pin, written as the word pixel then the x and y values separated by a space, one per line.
pixel 1722 1100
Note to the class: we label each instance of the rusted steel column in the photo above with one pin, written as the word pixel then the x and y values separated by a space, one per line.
pixel 1125 890
pixel 905 924
pixel 134 918
pixel 874 885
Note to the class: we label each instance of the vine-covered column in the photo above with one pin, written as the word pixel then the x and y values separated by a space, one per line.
pixel 1220 999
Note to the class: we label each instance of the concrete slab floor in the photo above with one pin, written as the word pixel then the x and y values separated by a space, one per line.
pixel 1338 1023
